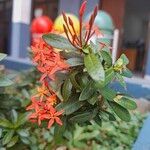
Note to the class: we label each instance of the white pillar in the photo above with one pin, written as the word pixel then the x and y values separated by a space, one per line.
pixel 115 45
pixel 21 15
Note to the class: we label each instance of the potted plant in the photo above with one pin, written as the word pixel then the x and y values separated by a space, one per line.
pixel 76 74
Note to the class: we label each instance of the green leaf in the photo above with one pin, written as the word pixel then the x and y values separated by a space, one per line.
pixel 82 79
pixel 66 89
pixel 25 93
pixel 1 132
pixel 121 80
pixel 58 41
pixel 94 47
pixel 25 140
pixel 83 117
pixel 73 80
pixel 8 136
pixel 59 131
pixel 125 59
pixel 4 81
pixel 109 76
pixel 93 100
pixel 127 73
pixel 107 57
pixel 14 116
pixel 2 56
pixel 108 93
pixel 86 49
pixel 76 61
pixel 13 141
pixel 22 119
pixel 98 120
pixel 71 105
pixel 110 115
pixel 94 67
pixel 127 102
pixel 6 123
pixel 87 92
pixel 23 132
pixel 120 111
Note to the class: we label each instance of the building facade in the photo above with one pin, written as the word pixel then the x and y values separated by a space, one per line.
pixel 18 14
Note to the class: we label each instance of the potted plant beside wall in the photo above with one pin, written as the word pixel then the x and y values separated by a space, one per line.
pixel 75 80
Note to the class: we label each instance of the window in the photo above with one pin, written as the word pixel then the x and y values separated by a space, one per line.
pixel 5 24
pixel 45 7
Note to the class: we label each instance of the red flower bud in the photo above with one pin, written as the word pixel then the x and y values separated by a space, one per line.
pixel 91 20
pixel 64 17
pixel 70 21
pixel 82 8
pixel 95 11
pixel 65 29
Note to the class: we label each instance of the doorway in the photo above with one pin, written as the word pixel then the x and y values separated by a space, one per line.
pixel 135 34
pixel 5 25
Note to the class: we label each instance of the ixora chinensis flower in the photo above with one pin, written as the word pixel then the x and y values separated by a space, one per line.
pixel 76 81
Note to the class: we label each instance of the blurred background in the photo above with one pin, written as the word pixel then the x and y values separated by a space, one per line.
pixel 128 30
pixel 125 25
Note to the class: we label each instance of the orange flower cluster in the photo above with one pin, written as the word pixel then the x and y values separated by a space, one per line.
pixel 43 106
pixel 48 61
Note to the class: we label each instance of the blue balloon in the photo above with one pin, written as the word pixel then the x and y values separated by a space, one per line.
pixel 103 21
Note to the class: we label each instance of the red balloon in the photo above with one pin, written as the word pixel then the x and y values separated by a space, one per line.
pixel 42 24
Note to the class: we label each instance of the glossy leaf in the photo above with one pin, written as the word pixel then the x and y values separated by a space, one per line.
pixel 59 130
pixel 107 57
pixel 4 81
pixel 127 73
pixel 108 93
pixel 13 141
pixel 73 80
pixel 57 41
pixel 125 59
pixel 66 89
pixel 76 61
pixel 82 79
pixel 109 76
pixel 6 123
pixel 120 111
pixel 8 136
pixel 87 92
pixel 121 80
pixel 83 117
pixel 22 119
pixel 23 132
pixel 71 105
pixel 93 100
pixel 98 120
pixel 110 116
pixel 94 67
pixel 1 132
pixel 14 116
pixel 25 140
pixel 127 102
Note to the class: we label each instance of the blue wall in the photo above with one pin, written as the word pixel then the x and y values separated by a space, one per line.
pixel 20 39
pixel 134 90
